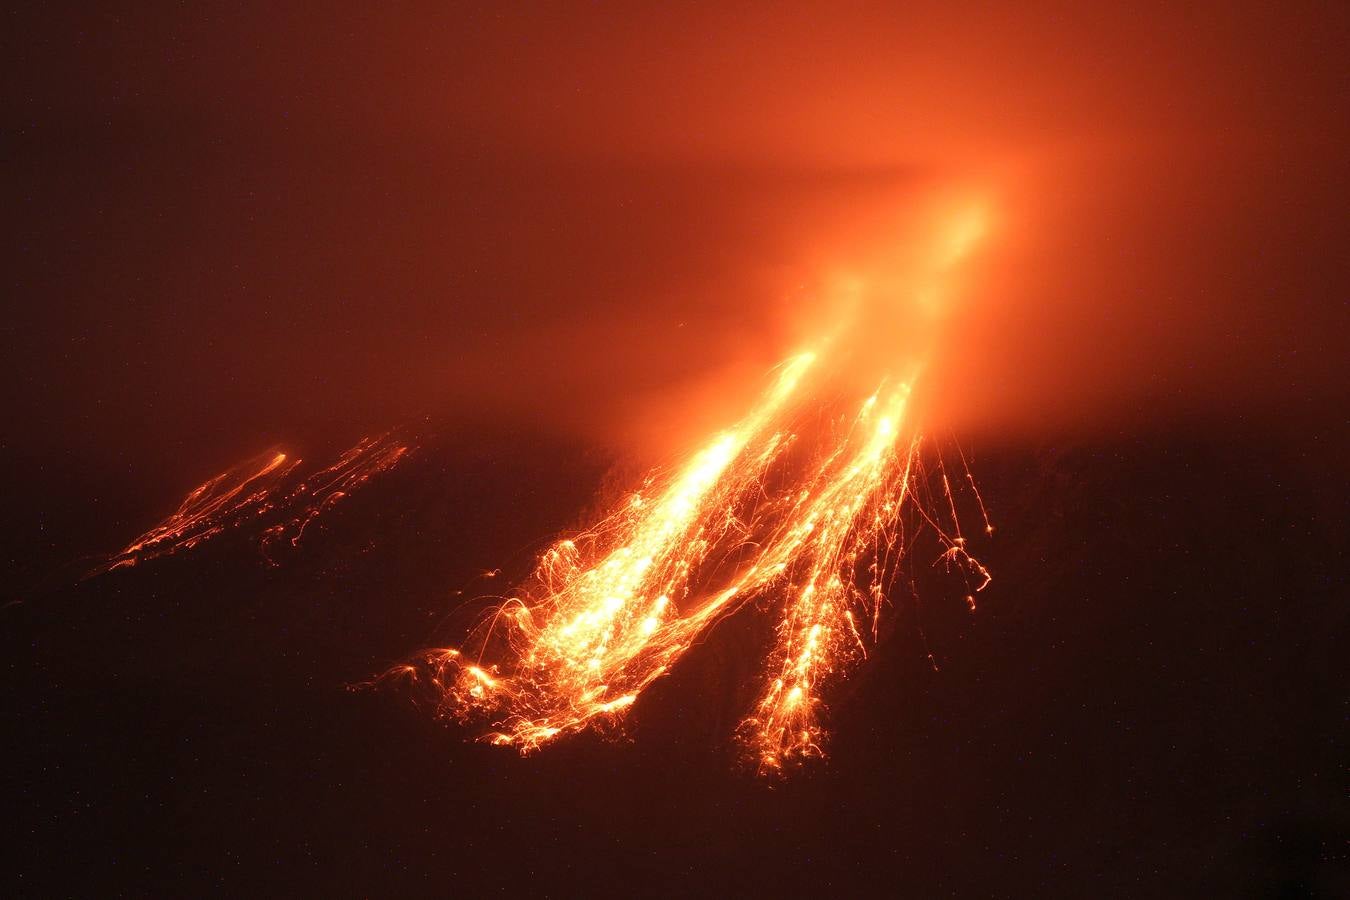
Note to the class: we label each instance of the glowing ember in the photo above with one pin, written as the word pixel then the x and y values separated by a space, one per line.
pixel 798 506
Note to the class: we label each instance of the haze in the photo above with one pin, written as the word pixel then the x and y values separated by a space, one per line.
pixel 613 229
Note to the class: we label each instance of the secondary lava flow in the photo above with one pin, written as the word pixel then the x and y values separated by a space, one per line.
pixel 239 493
pixel 798 507
pixel 262 489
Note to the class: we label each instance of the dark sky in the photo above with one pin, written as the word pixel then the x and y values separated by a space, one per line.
pixel 234 224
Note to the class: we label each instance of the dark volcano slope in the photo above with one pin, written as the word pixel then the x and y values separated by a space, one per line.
pixel 1144 704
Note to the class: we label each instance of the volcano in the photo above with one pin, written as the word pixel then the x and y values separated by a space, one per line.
pixel 207 717
pixel 675 450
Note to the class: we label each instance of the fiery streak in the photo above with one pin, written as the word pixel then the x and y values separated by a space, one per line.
pixel 841 522
pixel 258 489
pixel 805 520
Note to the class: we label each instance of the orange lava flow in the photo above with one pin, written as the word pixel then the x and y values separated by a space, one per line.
pixel 840 525
pixel 609 611
pixel 797 507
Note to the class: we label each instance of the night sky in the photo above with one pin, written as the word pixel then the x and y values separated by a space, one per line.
pixel 558 244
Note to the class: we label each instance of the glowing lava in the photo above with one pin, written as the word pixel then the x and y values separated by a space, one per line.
pixel 261 488
pixel 797 507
